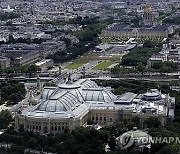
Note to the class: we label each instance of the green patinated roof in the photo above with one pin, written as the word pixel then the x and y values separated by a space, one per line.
pixel 136 133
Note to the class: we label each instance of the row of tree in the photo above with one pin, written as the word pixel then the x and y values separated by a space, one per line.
pixel 141 54
pixel 22 69
pixel 6 16
pixel 12 92
pixel 80 140
pixel 171 20
pixel 160 67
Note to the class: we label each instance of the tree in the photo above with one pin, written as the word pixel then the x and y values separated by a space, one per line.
pixel 148 44
pixel 136 120
pixel 32 143
pixel 170 149
pixel 67 42
pixel 21 128
pixel 140 68
pixel 112 143
pixel 12 91
pixel 165 69
pixel 5 119
pixel 33 69
pixel 152 122
pixel 17 149
pixel 130 125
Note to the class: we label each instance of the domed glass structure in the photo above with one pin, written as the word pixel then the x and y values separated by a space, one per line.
pixel 67 96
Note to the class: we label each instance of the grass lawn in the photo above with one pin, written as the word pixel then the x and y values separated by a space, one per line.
pixel 103 65
pixel 143 40
pixel 113 40
pixel 95 57
pixel 76 64
pixel 118 57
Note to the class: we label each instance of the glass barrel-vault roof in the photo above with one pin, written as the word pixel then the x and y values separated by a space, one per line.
pixel 64 103
pixel 89 84
pixel 98 94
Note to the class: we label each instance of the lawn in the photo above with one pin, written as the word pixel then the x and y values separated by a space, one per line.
pixel 143 40
pixel 76 64
pixel 109 58
pixel 117 57
pixel 103 65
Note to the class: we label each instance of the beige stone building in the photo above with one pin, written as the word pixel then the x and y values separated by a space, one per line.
pixel 72 104
pixel 128 31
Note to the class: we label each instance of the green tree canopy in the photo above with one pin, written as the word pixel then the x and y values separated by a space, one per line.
pixel 5 119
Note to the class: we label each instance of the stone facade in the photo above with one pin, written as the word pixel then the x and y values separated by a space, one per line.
pixel 146 32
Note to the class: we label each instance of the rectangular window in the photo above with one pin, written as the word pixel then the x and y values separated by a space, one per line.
pixel 96 118
pixel 104 118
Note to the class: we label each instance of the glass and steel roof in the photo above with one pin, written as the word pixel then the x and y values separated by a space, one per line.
pixel 88 84
pixel 47 93
pixel 70 97
pixel 98 95
pixel 64 103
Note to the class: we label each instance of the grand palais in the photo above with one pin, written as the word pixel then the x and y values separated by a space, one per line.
pixel 72 104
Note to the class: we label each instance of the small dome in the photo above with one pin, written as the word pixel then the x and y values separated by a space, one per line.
pixel 135 137
pixel 137 133
pixel 152 95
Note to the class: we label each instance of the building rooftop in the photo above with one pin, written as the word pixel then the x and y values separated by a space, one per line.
pixel 118 27
pixel 74 98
